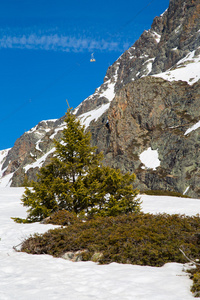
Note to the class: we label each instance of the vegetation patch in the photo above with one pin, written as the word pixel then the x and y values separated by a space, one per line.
pixel 195 276
pixel 62 217
pixel 137 238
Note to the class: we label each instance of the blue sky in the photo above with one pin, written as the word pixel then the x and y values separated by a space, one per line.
pixel 45 49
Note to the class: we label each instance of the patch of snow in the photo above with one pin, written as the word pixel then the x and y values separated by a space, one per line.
pixel 39 162
pixel 131 56
pixel 138 73
pixel 194 127
pixel 6 180
pixel 148 63
pixel 156 36
pixel 37 145
pixel 109 93
pixel 24 276
pixel 150 158
pixel 186 190
pixel 149 67
pixel 60 128
pixel 178 29
pixel 3 154
pixel 187 69
pixel 143 56
pixel 91 115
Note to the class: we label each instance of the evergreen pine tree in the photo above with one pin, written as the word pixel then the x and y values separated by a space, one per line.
pixel 76 181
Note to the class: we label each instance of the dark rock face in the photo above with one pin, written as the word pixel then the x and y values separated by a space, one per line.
pixel 146 112
pixel 152 112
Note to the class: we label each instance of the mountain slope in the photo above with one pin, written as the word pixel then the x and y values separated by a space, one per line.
pixel 140 116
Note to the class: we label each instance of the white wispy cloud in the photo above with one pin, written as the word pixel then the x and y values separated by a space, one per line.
pixel 57 43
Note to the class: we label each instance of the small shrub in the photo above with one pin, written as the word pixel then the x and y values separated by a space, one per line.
pixel 62 217
pixel 195 276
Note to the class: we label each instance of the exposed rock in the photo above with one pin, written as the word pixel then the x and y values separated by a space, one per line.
pixel 145 111
pixel 96 257
pixel 29 148
pixel 152 112
pixel 74 256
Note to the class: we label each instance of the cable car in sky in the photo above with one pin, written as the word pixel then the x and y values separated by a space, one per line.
pixel 92 59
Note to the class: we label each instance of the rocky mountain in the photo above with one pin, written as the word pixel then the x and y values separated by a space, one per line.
pixel 145 117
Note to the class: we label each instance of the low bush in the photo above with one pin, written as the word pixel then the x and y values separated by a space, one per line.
pixel 62 217
pixel 142 239
pixel 195 276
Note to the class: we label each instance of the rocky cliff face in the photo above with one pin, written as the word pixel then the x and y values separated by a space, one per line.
pixel 32 150
pixel 148 114
pixel 150 97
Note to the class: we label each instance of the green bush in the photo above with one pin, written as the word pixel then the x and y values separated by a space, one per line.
pixel 195 276
pixel 62 217
pixel 76 181
pixel 138 238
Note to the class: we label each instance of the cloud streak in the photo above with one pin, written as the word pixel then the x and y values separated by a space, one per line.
pixel 57 42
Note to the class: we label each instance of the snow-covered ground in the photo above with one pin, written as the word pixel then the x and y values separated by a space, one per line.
pixel 41 277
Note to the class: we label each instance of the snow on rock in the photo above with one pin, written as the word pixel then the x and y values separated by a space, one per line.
pixel 186 190
pixel 43 123
pixel 156 36
pixel 107 90
pixel 56 130
pixel 109 93
pixel 25 276
pixel 3 154
pixel 194 127
pixel 91 115
pixel 148 63
pixel 39 162
pixel 187 69
pixel 150 159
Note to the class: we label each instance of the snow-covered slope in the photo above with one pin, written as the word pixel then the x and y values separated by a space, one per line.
pixel 25 276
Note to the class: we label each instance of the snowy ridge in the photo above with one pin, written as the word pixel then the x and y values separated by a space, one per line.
pixel 42 125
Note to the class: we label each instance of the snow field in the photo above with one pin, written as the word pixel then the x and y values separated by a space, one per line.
pixel 41 277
